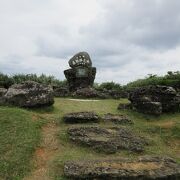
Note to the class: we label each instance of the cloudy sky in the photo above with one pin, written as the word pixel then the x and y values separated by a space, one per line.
pixel 126 39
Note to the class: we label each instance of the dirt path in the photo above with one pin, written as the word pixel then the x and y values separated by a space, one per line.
pixel 45 154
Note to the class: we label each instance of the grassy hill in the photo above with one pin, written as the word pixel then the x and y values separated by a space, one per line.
pixel 34 143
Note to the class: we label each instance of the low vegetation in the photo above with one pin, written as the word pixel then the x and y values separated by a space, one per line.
pixel 19 136
pixel 170 79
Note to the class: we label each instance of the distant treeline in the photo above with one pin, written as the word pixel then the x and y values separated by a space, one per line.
pixel 170 79
pixel 6 81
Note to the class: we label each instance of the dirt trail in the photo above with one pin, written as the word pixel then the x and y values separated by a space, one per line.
pixel 45 154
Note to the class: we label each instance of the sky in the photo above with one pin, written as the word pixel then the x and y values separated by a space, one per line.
pixel 126 39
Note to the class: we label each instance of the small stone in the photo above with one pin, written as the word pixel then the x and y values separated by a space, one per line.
pixel 81 117
pixel 117 119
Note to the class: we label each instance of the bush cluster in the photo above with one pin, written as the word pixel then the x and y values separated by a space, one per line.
pixel 6 81
pixel 170 79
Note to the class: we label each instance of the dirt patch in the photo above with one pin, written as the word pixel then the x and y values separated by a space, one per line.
pixel 130 166
pixel 35 117
pixel 167 125
pixel 45 154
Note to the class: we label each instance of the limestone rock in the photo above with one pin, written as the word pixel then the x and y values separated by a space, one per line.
pixel 81 117
pixel 60 91
pixel 117 119
pixel 2 92
pixel 29 94
pixel 108 140
pixel 88 93
pixel 155 99
pixel 144 168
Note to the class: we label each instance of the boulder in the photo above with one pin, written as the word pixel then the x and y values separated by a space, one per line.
pixel 144 168
pixel 81 117
pixel 29 94
pixel 2 92
pixel 108 140
pixel 60 91
pixel 89 93
pixel 117 119
pixel 155 99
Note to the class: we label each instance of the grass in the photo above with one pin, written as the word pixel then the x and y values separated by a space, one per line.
pixel 162 132
pixel 20 135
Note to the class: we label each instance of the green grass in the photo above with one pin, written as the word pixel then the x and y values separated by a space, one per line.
pixel 162 132
pixel 19 136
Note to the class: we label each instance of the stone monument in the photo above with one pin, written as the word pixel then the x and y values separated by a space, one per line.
pixel 81 74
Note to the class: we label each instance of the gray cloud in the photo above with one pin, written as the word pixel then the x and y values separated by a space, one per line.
pixel 127 39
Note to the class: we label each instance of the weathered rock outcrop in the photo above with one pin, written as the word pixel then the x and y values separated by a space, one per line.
pixel 2 92
pixel 60 91
pixel 155 99
pixel 108 140
pixel 117 119
pixel 81 117
pixel 28 94
pixel 89 93
pixel 144 168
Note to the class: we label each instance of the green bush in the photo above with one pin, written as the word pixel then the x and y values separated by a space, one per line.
pixel 6 81
pixel 170 79
pixel 109 86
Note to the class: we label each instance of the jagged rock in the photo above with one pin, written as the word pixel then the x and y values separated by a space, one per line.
pixel 108 140
pixel 144 168
pixel 81 74
pixel 60 91
pixel 81 117
pixel 117 119
pixel 2 92
pixel 115 94
pixel 89 93
pixel 155 99
pixel 29 94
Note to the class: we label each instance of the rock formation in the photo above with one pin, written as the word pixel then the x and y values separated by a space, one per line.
pixel 155 99
pixel 108 140
pixel 81 74
pixel 145 167
pixel 28 94
pixel 117 119
pixel 81 117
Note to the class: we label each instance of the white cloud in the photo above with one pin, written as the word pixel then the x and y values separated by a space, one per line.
pixel 127 39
